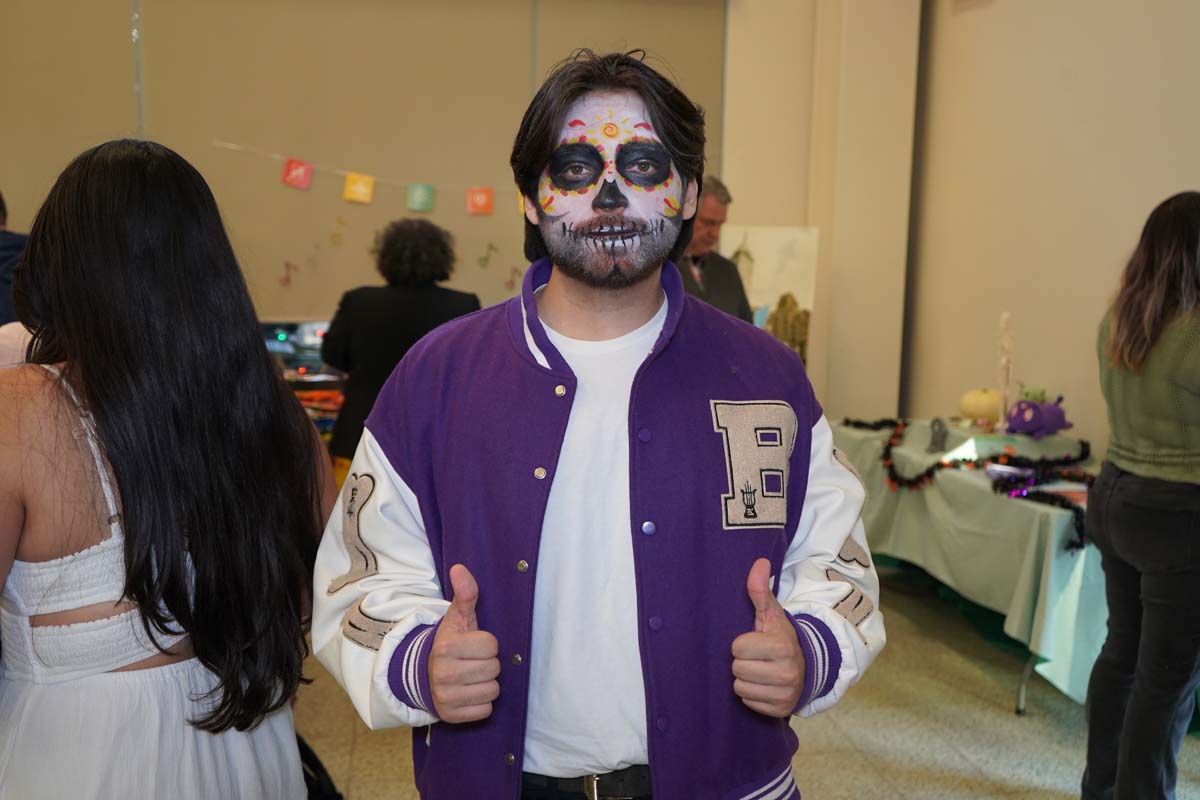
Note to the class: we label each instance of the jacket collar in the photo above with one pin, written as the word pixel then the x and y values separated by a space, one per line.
pixel 530 336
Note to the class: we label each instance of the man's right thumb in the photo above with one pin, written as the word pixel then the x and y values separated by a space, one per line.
pixel 466 592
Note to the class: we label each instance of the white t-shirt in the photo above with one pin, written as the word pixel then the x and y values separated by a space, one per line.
pixel 587 701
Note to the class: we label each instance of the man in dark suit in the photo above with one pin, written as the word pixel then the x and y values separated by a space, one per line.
pixel 706 273
pixel 376 325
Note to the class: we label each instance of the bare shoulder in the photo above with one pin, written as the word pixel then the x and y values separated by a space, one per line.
pixel 31 400
pixel 23 391
pixel 27 385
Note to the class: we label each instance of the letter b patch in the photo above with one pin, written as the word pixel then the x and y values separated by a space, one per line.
pixel 759 437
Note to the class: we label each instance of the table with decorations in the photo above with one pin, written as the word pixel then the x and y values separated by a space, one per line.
pixel 999 519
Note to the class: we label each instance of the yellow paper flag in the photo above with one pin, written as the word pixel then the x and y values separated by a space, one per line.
pixel 359 188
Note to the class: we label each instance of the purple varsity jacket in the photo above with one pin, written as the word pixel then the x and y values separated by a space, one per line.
pixel 473 425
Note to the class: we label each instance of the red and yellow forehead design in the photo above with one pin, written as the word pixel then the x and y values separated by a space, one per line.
pixel 605 125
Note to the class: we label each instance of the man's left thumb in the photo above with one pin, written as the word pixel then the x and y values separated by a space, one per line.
pixel 766 607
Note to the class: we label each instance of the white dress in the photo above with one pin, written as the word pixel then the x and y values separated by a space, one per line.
pixel 72 728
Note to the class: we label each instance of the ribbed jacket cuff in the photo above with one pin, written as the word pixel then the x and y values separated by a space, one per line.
pixel 822 658
pixel 408 674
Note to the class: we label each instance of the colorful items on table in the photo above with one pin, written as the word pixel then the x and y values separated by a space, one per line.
pixel 1038 420
pixel 1034 394
pixel 982 406
pixel 1018 477
pixel 322 407
pixel 937 436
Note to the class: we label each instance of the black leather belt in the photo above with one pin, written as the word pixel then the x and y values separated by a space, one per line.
pixel 631 783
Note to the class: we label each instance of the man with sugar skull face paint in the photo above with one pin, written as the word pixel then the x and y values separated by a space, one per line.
pixel 609 204
pixel 595 541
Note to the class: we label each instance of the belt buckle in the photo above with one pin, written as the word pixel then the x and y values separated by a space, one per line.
pixel 591 790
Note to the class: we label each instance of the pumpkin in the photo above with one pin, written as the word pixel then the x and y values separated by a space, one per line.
pixel 981 404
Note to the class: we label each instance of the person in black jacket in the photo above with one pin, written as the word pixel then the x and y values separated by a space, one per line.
pixel 376 325
pixel 11 245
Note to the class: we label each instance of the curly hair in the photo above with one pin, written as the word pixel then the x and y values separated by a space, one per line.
pixel 413 252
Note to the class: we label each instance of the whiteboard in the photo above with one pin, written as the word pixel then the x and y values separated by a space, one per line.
pixel 773 260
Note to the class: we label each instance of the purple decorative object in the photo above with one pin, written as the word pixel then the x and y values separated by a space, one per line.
pixel 1037 419
pixel 998 471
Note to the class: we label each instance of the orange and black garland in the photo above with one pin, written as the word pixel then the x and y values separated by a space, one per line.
pixel 1037 472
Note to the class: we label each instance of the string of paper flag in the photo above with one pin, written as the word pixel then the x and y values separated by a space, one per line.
pixel 359 187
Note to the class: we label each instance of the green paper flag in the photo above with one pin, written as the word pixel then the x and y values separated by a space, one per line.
pixel 419 197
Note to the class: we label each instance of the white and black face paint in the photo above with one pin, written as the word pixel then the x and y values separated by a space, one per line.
pixel 610 200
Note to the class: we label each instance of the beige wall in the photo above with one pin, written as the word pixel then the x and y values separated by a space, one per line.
pixel 1051 131
pixel 407 91
pixel 66 79
pixel 768 110
pixel 865 71
pixel 819 110
pixel 684 39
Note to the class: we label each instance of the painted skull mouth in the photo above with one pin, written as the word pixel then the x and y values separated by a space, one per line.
pixel 614 232
pixel 610 230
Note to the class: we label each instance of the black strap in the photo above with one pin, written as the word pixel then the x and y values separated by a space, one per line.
pixel 629 782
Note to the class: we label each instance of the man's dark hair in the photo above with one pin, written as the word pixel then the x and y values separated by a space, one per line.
pixel 678 122
pixel 414 252
pixel 3 212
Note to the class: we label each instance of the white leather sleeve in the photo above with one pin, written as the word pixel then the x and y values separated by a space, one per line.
pixel 828 574
pixel 375 582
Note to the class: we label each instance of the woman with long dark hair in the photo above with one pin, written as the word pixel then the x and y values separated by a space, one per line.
pixel 1144 513
pixel 161 499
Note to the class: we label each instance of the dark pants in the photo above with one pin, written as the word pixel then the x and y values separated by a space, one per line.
pixel 1143 685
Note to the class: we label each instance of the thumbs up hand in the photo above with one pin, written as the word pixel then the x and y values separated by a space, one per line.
pixel 768 664
pixel 463 663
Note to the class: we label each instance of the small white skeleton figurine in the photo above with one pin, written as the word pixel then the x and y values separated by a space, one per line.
pixel 1004 370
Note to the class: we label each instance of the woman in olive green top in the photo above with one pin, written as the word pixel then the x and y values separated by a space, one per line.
pixel 1144 513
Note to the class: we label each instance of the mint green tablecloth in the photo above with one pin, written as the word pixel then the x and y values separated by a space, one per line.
pixel 1004 554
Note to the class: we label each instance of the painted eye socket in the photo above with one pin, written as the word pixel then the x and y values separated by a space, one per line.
pixel 644 163
pixel 575 166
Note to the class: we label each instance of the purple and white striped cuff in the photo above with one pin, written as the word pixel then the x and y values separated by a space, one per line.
pixel 822 658
pixel 408 672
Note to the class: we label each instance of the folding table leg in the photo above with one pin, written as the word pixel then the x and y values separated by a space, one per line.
pixel 1026 674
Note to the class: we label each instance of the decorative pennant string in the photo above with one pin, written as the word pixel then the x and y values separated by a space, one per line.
pixel 243 148
pixel 136 36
